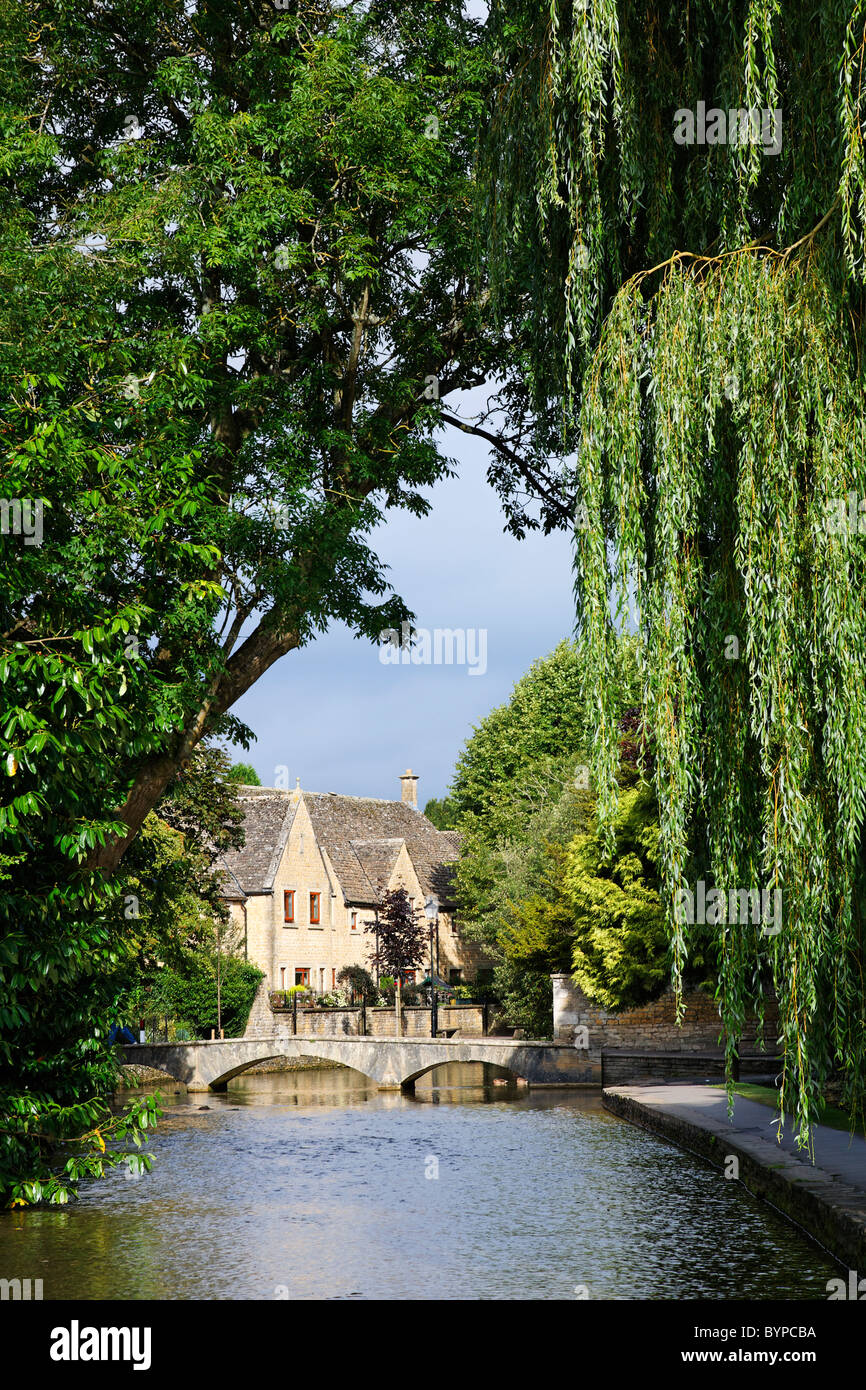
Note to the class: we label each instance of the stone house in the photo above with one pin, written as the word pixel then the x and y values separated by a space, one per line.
pixel 314 870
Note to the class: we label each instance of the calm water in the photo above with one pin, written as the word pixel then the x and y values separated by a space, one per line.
pixel 313 1185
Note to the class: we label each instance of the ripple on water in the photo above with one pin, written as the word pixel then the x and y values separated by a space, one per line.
pixel 316 1183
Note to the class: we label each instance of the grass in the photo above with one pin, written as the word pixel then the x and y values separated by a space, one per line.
pixel 831 1116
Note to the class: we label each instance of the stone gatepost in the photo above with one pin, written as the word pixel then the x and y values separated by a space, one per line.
pixel 576 1020
pixel 260 1023
pixel 570 1008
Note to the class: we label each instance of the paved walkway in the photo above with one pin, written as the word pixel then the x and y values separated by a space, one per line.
pixel 836 1153
pixel 827 1197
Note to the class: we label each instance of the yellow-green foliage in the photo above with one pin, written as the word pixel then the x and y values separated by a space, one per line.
pixel 537 930
pixel 620 954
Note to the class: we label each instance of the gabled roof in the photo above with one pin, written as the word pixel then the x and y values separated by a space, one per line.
pixel 377 858
pixel 267 822
pixel 363 837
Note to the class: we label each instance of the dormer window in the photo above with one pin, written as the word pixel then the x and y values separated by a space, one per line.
pixel 289 905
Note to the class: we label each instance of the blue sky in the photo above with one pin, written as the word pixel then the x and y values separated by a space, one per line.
pixel 341 721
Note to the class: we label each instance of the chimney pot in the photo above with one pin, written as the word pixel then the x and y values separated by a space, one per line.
pixel 409 788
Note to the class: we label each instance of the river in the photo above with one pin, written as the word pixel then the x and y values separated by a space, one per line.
pixel 314 1185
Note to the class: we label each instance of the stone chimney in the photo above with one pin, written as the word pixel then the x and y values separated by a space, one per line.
pixel 409 789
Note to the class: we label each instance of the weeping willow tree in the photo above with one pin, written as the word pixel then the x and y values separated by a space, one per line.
pixel 675 200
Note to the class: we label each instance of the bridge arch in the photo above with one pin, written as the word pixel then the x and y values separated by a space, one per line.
pixel 410 1079
pixel 220 1083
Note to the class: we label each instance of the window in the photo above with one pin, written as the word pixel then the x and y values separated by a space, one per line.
pixel 289 905
pixel 314 907
pixel 333 977
pixel 282 977
pixel 302 975
pixel 408 977
pixel 454 924
pixel 353 921
pixel 454 976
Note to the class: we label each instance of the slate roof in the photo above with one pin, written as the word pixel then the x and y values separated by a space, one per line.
pixel 363 837
pixel 267 822
pixel 232 889
pixel 377 859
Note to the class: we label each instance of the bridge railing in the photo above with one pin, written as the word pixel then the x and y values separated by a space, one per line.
pixel 469 1020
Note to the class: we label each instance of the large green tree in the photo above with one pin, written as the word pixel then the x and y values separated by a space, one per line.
pixel 235 260
pixel 688 284
pixel 65 935
pixel 620 955
pixel 521 792
pixel 190 964
pixel 244 773
pixel 523 779
pixel 252 231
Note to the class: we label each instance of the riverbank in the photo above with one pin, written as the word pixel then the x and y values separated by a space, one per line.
pixel 827 1198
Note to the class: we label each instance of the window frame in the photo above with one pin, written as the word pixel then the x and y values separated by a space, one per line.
pixel 288 911
pixel 316 921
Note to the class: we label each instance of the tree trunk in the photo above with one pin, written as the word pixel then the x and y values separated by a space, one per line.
pixel 261 649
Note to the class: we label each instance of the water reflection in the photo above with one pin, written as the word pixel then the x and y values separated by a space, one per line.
pixel 314 1185
pixel 454 1083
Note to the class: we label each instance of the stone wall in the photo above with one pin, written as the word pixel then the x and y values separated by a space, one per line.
pixel 618 1065
pixel 652 1028
pixel 467 1020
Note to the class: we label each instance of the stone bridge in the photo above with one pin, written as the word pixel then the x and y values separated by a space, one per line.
pixel 393 1063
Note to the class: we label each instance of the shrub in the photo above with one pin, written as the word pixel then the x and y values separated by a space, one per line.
pixel 621 942
pixel 189 995
pixel 332 1000
pixel 358 982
